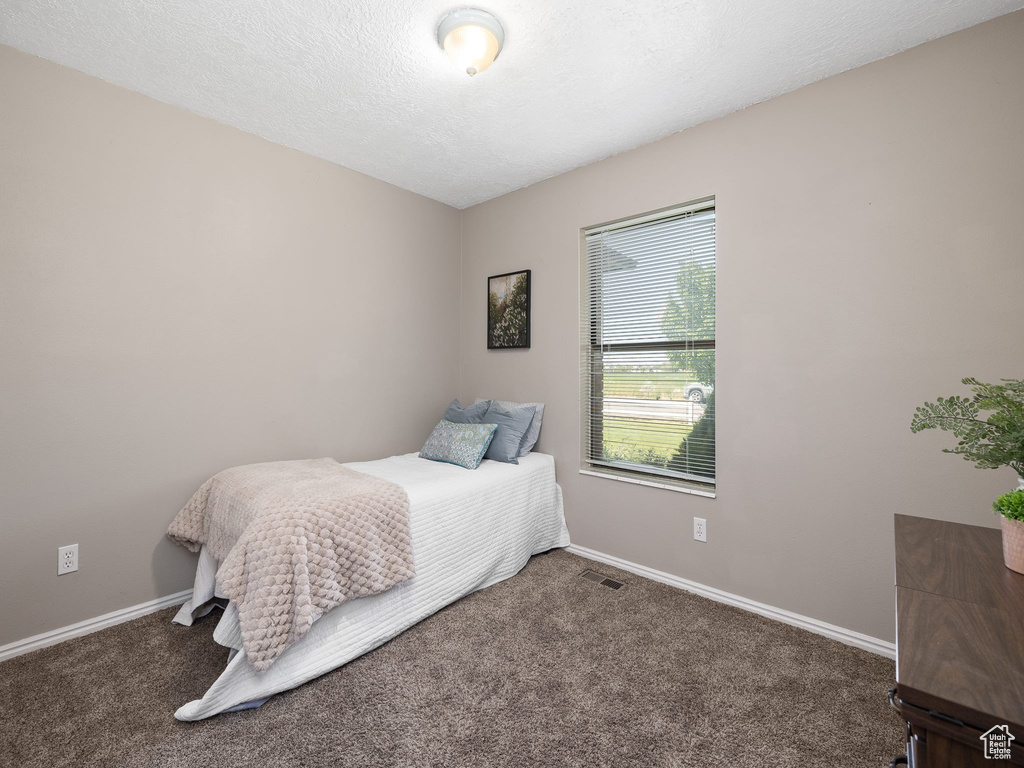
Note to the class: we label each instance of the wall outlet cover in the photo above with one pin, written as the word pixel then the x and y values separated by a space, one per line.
pixel 67 559
pixel 700 529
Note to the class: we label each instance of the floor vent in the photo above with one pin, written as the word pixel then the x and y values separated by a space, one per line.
pixel 604 581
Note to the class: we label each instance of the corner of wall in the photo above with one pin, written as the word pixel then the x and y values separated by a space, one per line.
pixel 462 299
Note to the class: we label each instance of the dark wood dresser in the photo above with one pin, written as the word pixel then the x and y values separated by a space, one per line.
pixel 959 645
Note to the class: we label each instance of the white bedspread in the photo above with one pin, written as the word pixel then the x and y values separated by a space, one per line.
pixel 470 529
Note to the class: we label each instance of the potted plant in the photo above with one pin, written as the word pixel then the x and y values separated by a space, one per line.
pixel 995 441
pixel 1011 507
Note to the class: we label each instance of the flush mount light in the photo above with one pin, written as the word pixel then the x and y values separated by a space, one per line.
pixel 472 39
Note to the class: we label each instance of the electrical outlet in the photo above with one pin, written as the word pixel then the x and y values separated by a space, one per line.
pixel 700 529
pixel 67 559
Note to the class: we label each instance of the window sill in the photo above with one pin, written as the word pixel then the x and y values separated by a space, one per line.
pixel 651 483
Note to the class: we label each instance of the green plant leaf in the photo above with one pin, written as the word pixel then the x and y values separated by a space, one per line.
pixel 991 442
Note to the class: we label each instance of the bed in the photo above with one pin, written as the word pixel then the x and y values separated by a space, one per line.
pixel 469 528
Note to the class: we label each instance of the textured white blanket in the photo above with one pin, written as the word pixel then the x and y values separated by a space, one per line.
pixel 294 540
pixel 470 529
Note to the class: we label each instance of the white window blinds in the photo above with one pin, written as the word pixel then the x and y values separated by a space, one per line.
pixel 648 346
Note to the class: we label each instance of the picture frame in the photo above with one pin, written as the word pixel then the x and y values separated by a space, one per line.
pixel 508 310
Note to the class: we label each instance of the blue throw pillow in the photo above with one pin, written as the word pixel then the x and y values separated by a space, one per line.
pixel 461 444
pixel 473 414
pixel 512 425
pixel 533 433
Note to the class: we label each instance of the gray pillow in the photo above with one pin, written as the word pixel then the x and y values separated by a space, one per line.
pixel 512 425
pixel 461 444
pixel 474 414
pixel 533 433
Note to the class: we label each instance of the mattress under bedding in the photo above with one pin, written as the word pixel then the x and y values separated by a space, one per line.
pixel 470 529
pixel 294 540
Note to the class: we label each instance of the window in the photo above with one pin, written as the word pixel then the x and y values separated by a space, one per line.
pixel 648 348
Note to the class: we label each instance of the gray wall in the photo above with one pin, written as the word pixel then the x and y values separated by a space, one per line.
pixel 176 297
pixel 871 253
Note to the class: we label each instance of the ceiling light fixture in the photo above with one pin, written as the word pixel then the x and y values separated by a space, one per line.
pixel 472 39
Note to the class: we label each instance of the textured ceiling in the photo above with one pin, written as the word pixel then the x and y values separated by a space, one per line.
pixel 363 83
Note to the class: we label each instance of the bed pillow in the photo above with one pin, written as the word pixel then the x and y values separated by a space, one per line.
pixel 533 433
pixel 461 444
pixel 512 425
pixel 473 414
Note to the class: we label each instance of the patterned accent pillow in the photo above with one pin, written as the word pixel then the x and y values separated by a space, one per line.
pixel 461 444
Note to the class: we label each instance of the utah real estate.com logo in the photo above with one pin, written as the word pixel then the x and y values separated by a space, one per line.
pixel 997 742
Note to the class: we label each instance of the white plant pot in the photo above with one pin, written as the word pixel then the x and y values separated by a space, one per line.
pixel 1020 483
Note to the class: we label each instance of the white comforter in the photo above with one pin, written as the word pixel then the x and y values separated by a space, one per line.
pixel 470 529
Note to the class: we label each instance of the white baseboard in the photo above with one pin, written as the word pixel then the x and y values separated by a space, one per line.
pixel 54 636
pixel 848 636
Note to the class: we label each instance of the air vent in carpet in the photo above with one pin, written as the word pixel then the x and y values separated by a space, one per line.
pixel 601 579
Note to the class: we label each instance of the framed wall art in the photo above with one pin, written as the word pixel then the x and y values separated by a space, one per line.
pixel 508 310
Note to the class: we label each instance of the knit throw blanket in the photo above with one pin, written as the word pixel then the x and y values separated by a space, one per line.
pixel 294 539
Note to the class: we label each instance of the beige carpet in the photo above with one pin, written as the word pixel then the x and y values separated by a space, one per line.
pixel 544 669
